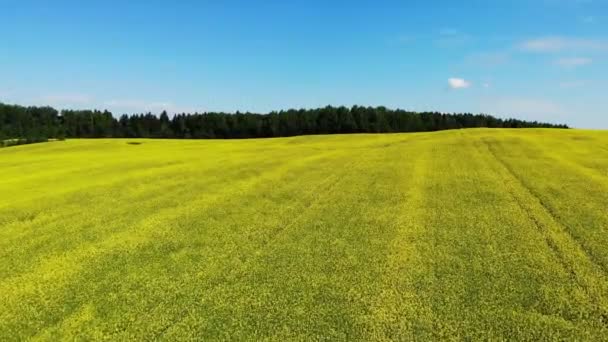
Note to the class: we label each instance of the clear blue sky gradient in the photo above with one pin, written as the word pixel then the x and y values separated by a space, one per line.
pixel 533 59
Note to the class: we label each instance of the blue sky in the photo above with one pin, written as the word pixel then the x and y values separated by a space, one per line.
pixel 533 59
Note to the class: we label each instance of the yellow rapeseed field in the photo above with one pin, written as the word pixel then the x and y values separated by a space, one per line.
pixel 466 234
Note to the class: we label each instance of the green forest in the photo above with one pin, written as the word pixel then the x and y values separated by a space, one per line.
pixel 20 124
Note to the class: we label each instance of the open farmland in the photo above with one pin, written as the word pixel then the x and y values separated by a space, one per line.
pixel 480 234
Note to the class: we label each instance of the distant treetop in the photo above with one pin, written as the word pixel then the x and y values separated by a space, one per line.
pixel 41 123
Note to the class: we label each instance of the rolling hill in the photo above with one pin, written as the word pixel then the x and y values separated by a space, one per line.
pixel 465 234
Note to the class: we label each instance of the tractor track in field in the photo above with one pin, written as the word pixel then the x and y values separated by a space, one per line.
pixel 545 231
pixel 250 183
pixel 389 291
pixel 323 187
pixel 547 209
pixel 468 234
pixel 590 173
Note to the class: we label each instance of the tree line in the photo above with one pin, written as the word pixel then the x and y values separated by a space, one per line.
pixel 33 124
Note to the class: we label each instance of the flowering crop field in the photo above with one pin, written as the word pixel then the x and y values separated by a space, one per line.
pixel 466 234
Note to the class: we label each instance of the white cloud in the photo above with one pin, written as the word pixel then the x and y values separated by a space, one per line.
pixel 533 106
pixel 525 108
pixel 146 106
pixel 486 85
pixel 489 59
pixel 139 105
pixel 4 95
pixel 575 3
pixel 557 44
pixel 65 99
pixel 572 84
pixel 588 19
pixel 405 39
pixel 451 37
pixel 458 83
pixel 448 32
pixel 573 62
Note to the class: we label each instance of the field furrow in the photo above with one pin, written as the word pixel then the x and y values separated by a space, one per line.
pixel 480 234
pixel 400 309
pixel 576 201
pixel 575 260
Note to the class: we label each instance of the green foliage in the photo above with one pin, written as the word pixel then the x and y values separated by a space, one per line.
pixel 41 123
pixel 481 234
